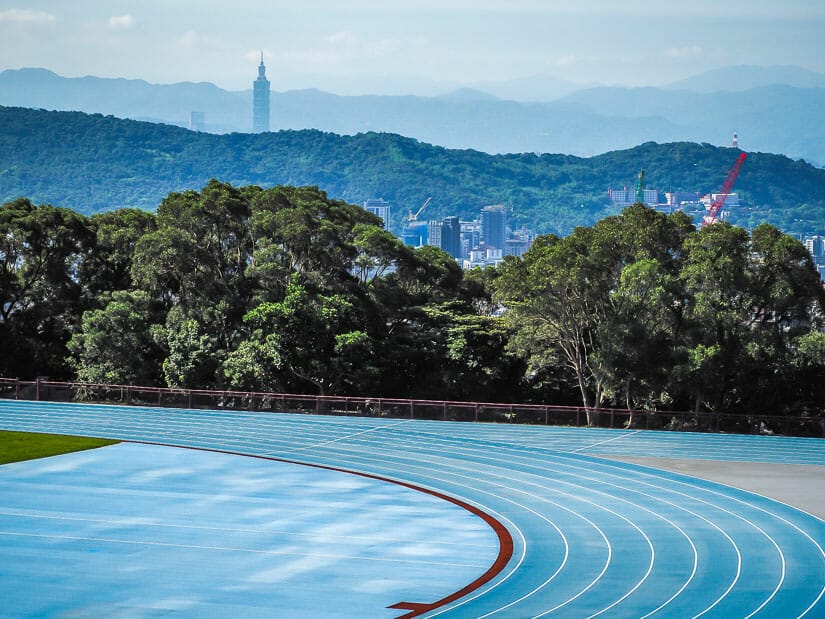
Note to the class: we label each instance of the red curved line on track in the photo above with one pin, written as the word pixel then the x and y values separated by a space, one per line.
pixel 505 540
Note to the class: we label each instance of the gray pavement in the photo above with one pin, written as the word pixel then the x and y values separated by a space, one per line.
pixel 800 485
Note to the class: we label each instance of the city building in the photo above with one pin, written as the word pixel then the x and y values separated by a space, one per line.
pixel 415 234
pixel 482 257
pixel 626 197
pixel 731 200
pixel 260 100
pixel 679 199
pixel 470 236
pixel 477 243
pixel 493 226
pixel 815 245
pixel 379 207
pixel 197 121
pixel 446 234
pixel 520 242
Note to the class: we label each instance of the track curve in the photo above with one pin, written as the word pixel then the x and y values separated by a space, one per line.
pixel 591 537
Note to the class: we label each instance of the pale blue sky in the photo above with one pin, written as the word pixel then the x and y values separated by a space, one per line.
pixel 397 45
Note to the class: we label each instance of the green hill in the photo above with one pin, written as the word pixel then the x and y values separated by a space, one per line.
pixel 93 163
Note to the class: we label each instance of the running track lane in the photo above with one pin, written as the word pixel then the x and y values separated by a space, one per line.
pixel 590 537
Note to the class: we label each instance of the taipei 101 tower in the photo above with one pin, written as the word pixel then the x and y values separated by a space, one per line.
pixel 260 100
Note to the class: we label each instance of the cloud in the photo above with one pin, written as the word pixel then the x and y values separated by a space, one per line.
pixel 255 54
pixel 340 49
pixel 565 60
pixel 121 22
pixel 691 51
pixel 190 39
pixel 26 16
pixel 343 39
pixel 193 41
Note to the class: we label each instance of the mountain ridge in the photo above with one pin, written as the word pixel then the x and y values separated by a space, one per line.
pixel 101 163
pixel 586 122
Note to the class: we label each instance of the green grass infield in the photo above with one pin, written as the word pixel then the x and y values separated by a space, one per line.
pixel 19 446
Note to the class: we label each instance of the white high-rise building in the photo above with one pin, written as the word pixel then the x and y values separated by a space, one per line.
pixel 815 245
pixel 379 207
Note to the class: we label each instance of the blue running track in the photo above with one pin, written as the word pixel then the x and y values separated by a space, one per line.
pixel 591 537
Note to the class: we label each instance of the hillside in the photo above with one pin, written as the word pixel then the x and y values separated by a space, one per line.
pixel 777 110
pixel 93 163
pixel 778 118
pixel 747 77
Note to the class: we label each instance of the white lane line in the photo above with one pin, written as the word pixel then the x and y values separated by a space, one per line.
pixel 782 575
pixel 359 456
pixel 543 478
pixel 530 464
pixel 388 464
pixel 348 436
pixel 610 440
pixel 730 540
pixel 736 515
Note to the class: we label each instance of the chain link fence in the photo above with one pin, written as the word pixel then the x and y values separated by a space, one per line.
pixel 442 410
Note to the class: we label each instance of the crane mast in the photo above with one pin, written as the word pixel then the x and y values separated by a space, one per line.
pixel 640 188
pixel 413 217
pixel 716 206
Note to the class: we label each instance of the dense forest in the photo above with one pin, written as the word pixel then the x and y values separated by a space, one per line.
pixel 285 289
pixel 92 163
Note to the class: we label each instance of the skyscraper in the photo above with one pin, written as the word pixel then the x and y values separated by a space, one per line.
pixel 260 100
pixel 493 226
pixel 451 237
pixel 379 207
pixel 446 234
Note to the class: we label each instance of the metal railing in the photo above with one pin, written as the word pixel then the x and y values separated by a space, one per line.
pixel 444 410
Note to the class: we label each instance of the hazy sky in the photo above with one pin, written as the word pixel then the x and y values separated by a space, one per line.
pixel 396 45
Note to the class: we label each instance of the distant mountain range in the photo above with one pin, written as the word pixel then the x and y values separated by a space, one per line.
pixel 774 109
pixel 92 163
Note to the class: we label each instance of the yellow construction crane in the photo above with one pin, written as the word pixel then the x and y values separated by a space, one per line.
pixel 412 217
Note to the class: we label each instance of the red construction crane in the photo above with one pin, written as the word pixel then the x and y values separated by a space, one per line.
pixel 716 206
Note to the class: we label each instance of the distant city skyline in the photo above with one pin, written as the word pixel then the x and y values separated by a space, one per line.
pixel 408 46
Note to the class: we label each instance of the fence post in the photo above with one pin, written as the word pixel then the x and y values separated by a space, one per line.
pixel 475 417
pixel 444 407
pixel 37 388
pixel 190 399
pixel 412 409
pixel 546 415
pixel 16 388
